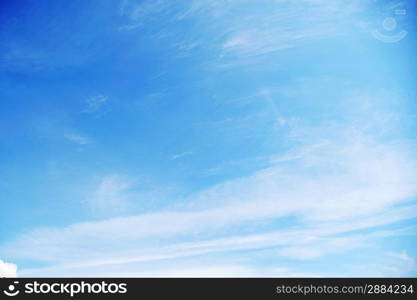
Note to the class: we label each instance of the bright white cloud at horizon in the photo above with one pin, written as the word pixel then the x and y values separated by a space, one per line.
pixel 7 269
pixel 207 138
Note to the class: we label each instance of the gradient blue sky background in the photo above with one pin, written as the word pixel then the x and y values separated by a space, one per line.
pixel 208 138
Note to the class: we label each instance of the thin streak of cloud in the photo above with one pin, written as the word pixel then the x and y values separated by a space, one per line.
pixel 94 105
pixel 78 139
pixel 356 194
pixel 181 155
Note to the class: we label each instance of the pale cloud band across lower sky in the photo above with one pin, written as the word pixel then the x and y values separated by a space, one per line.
pixel 331 190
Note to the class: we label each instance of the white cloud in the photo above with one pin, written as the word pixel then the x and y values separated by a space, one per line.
pixel 399 264
pixel 285 25
pixel 180 155
pixel 322 247
pixel 191 268
pixel 237 30
pixel 331 189
pixel 140 13
pixel 110 197
pixel 255 42
pixel 77 138
pixel 388 264
pixel 7 269
pixel 94 105
pixel 338 181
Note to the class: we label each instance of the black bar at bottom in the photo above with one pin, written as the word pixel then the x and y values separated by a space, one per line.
pixel 215 288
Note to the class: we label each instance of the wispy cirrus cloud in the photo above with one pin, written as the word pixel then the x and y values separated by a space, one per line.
pixel 78 139
pixel 285 171
pixel 189 267
pixel 110 196
pixel 180 155
pixel 95 105
pixel 353 180
pixel 237 30
pixel 398 263
pixel 305 244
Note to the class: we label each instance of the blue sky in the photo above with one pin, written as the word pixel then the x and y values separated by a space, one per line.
pixel 208 138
